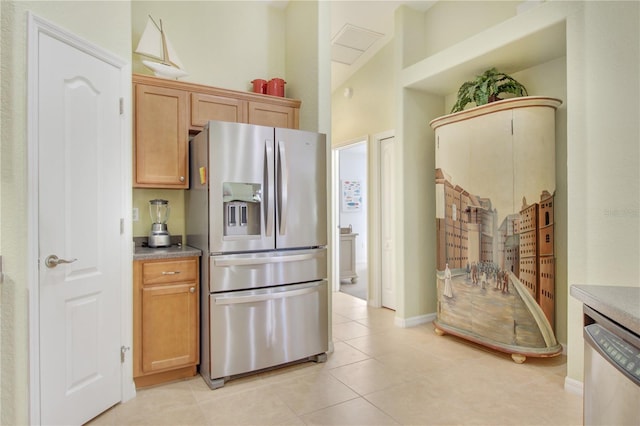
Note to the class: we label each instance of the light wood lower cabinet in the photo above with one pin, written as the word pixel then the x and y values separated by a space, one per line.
pixel 166 320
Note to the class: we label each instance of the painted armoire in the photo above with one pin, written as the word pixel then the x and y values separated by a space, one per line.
pixel 495 186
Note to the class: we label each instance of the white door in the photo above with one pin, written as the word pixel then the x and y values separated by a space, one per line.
pixel 387 220
pixel 79 221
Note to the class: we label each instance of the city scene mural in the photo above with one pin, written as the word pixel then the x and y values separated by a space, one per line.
pixel 495 204
pixel 483 259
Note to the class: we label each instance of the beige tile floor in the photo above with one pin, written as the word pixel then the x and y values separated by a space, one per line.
pixel 378 374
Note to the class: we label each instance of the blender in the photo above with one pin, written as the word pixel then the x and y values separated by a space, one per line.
pixel 159 212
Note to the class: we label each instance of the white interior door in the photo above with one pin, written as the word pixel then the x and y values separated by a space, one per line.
pixel 387 219
pixel 79 221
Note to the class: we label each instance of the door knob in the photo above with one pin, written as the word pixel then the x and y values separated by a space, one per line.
pixel 52 261
pixel 192 290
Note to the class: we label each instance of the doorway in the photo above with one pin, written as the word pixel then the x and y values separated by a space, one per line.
pixel 352 218
pixel 387 176
pixel 79 245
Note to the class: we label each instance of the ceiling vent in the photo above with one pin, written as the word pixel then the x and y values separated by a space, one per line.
pixel 351 42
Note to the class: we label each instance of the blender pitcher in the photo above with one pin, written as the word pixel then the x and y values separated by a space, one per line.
pixel 159 212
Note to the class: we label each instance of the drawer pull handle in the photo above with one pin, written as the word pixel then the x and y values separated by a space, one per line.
pixel 170 272
pixel 192 290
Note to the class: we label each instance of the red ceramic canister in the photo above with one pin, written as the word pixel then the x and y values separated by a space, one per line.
pixel 275 87
pixel 259 85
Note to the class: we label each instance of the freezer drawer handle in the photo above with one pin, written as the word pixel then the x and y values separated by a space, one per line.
pixel 264 260
pixel 233 300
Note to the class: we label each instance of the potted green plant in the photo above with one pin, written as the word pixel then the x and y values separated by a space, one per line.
pixel 486 88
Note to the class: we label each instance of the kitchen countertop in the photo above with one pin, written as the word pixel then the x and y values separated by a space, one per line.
pixel 621 304
pixel 173 252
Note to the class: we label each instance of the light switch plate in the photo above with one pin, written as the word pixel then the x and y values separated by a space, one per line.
pixel 134 216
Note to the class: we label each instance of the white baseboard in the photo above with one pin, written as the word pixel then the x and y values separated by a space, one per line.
pixel 413 321
pixel 573 386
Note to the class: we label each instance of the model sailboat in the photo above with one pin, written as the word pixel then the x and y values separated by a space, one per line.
pixel 155 44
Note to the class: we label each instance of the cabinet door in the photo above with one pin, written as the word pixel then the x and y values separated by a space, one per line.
pixel 273 115
pixel 206 107
pixel 161 138
pixel 169 334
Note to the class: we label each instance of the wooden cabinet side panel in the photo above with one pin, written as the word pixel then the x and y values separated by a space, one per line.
pixel 161 137
pixel 137 318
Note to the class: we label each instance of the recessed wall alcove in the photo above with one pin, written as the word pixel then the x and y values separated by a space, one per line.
pixel 532 47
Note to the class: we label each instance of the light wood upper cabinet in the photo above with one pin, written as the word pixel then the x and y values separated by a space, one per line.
pixel 206 107
pixel 161 137
pixel 273 115
pixel 166 319
pixel 166 111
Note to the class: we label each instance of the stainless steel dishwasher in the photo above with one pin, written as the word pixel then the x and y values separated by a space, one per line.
pixel 611 372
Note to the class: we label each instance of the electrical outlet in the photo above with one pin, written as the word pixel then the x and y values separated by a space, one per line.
pixel 134 216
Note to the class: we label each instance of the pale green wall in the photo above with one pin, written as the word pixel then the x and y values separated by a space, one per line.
pixel 603 154
pixel 597 161
pixel 176 222
pixel 302 18
pixel 228 44
pixel 370 110
pixel 220 43
pixel 449 22
pixel 597 148
pixel 106 24
pixel 224 44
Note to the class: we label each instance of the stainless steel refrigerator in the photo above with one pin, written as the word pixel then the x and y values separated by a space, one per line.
pixel 257 208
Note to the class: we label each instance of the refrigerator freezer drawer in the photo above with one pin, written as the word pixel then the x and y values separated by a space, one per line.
pixel 266 269
pixel 256 329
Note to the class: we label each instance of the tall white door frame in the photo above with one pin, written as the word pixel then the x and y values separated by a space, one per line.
pixel 374 245
pixel 375 219
pixel 37 26
pixel 335 214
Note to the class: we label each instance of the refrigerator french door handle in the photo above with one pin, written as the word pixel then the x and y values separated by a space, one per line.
pixel 264 260
pixel 270 207
pixel 233 300
pixel 284 179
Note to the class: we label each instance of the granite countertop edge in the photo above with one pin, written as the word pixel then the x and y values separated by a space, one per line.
pixel 173 252
pixel 621 304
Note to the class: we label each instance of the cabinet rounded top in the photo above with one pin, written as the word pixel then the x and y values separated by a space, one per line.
pixel 505 104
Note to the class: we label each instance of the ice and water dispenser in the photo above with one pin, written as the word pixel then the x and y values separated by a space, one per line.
pixel 242 202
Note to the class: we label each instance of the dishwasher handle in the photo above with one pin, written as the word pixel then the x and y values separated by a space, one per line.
pixel 253 298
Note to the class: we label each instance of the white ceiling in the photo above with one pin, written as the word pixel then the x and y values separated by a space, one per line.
pixel 375 16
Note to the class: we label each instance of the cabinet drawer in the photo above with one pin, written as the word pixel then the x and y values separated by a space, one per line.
pixel 169 271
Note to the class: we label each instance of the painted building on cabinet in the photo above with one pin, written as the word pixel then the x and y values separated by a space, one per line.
pixel 523 244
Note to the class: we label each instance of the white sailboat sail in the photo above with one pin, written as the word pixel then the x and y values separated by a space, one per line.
pixel 155 44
